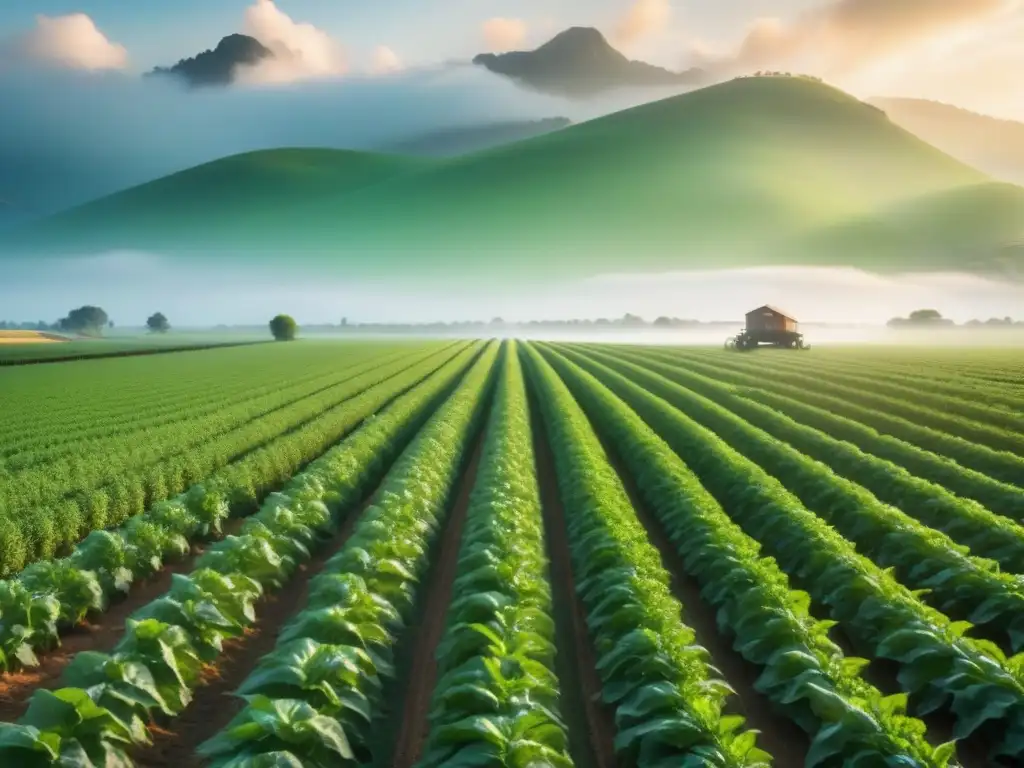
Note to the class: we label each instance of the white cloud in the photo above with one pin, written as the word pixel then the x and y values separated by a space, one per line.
pixel 502 34
pixel 72 42
pixel 846 37
pixel 301 50
pixel 385 60
pixel 643 18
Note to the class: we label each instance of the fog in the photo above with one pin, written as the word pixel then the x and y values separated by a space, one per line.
pixel 131 286
pixel 67 136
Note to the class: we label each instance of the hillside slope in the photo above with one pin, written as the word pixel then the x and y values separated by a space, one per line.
pixel 994 146
pixel 754 171
pixel 218 202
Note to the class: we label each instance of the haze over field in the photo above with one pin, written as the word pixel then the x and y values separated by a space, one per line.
pixel 561 186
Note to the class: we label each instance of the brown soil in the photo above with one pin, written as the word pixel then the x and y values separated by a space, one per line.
pixel 213 705
pixel 424 638
pixel 779 735
pixel 581 689
pixel 101 635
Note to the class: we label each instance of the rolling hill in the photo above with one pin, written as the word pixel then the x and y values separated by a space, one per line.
pixel 995 146
pixel 460 140
pixel 755 171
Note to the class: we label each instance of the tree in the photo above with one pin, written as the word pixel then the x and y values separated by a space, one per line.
pixel 284 328
pixel 664 322
pixel 158 323
pixel 925 316
pixel 87 320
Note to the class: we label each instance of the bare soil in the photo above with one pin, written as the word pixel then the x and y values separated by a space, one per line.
pixel 214 705
pixel 779 735
pixel 581 704
pixel 425 637
pixel 101 634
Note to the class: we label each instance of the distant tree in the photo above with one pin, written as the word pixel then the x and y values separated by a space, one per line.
pixel 110 324
pixel 158 323
pixel 87 320
pixel 664 322
pixel 344 322
pixel 284 328
pixel 497 321
pixel 925 316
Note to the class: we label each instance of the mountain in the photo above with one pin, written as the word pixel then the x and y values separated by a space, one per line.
pixel 217 67
pixel 580 62
pixel 753 172
pixel 473 138
pixel 993 145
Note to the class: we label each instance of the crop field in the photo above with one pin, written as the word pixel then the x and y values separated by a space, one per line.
pixel 458 554
pixel 29 347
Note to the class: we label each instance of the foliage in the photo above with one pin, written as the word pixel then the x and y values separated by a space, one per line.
pixel 87 320
pixel 244 438
pixel 939 666
pixel 669 703
pixel 283 328
pixel 331 659
pixel 496 698
pixel 155 667
pixel 804 673
pixel 158 323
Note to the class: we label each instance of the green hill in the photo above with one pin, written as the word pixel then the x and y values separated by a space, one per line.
pixel 226 196
pixel 749 172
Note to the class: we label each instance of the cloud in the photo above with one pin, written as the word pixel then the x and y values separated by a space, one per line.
pixel 385 61
pixel 644 17
pixel 846 36
pixel 502 34
pixel 70 42
pixel 301 50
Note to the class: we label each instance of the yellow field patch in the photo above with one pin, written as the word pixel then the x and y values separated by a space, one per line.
pixel 28 337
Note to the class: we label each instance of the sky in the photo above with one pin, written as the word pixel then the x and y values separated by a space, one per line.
pixel 960 51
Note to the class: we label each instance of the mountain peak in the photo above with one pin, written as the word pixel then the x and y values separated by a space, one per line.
pixel 580 61
pixel 217 66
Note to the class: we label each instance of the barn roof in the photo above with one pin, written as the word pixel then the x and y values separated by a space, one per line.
pixel 774 309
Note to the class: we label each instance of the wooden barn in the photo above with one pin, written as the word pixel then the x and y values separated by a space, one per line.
pixel 769 318
pixel 770 326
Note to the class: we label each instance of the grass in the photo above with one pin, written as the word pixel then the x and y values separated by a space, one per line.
pixel 750 172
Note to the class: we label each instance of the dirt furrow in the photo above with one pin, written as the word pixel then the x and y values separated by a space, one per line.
pixel 426 634
pixel 100 634
pixel 213 705
pixel 591 722
pixel 779 735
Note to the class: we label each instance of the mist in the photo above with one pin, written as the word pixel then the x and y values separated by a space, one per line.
pixel 131 286
pixel 71 136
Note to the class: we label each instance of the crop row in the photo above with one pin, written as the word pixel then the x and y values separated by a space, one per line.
pixel 999 465
pixel 91 464
pixel 957 583
pixel 51 596
pixel 873 375
pixel 669 703
pixel 496 659
pixel 938 666
pixel 108 699
pixel 966 522
pixel 256 457
pixel 1009 436
pixel 314 699
pixel 108 390
pixel 803 672
pixel 212 406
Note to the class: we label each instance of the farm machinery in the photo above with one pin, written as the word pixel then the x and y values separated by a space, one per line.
pixel 754 339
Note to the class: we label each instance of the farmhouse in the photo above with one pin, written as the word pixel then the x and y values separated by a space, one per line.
pixel 769 318
pixel 770 326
